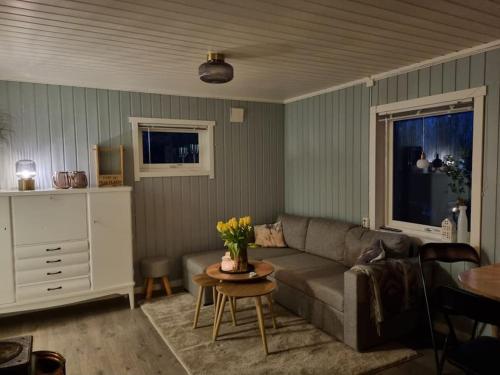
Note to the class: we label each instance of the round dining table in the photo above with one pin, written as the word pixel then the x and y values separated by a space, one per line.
pixel 484 281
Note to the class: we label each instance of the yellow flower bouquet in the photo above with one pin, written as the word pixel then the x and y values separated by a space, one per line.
pixel 235 233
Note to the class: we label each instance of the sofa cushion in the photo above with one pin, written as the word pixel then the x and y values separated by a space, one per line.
pixel 326 238
pixel 294 230
pixel 260 253
pixel 315 276
pixel 197 262
pixel 297 261
pixel 359 238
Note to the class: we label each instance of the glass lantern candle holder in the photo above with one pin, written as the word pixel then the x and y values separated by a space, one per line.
pixel 26 172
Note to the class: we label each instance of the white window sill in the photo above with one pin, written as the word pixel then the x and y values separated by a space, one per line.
pixel 422 236
pixel 173 172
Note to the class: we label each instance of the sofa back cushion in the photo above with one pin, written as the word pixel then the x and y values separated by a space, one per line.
pixel 326 238
pixel 294 230
pixel 359 238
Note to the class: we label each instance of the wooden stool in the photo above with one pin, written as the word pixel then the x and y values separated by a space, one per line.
pixel 203 281
pixel 256 289
pixel 152 268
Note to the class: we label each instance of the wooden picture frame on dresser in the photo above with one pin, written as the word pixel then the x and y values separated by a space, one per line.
pixel 59 247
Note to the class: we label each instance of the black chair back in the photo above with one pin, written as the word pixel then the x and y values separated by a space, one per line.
pixel 448 252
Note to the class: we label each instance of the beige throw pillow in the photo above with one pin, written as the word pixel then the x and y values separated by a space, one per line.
pixel 269 235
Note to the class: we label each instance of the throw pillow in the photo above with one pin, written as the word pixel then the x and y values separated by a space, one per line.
pixel 373 253
pixel 269 235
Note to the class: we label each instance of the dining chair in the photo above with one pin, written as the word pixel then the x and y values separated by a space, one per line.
pixel 478 355
pixel 447 253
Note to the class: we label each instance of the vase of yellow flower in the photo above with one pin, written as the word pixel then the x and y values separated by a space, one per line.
pixel 235 233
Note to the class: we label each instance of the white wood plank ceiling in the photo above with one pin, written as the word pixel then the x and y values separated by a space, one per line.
pixel 279 48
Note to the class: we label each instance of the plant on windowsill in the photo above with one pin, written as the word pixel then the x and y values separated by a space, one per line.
pixel 459 172
pixel 235 233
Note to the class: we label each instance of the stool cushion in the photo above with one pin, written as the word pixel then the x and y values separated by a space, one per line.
pixel 154 266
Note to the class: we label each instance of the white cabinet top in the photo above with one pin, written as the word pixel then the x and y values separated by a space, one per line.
pixel 64 191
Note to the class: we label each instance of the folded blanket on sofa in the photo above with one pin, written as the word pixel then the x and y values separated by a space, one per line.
pixel 394 285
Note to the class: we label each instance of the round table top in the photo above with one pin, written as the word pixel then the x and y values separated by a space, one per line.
pixel 484 281
pixel 242 290
pixel 262 270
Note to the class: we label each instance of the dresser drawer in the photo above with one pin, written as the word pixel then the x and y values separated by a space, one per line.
pixel 52 261
pixel 50 274
pixel 52 249
pixel 53 288
pixel 49 218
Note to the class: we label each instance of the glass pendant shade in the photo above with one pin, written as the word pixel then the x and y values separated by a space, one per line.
pixel 422 163
pixel 215 70
pixel 25 169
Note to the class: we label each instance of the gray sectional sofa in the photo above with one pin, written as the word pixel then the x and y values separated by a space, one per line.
pixel 315 281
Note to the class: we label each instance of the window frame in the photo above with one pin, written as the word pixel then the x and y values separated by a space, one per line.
pixel 381 169
pixel 205 130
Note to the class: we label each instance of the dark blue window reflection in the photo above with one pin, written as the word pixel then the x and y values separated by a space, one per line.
pixel 427 195
pixel 170 147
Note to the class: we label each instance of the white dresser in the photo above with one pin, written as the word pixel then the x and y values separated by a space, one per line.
pixel 64 246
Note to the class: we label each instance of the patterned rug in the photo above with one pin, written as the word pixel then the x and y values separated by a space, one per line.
pixel 296 347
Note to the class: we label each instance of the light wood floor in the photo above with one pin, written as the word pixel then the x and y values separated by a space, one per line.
pixel 107 338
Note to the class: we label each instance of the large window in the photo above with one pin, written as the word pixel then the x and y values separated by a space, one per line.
pixel 431 167
pixel 425 158
pixel 165 147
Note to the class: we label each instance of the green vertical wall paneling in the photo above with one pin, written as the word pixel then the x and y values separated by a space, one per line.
pixel 57 125
pixel 477 70
pixel 490 170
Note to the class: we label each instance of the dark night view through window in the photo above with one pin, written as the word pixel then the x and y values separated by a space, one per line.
pixel 161 147
pixel 426 196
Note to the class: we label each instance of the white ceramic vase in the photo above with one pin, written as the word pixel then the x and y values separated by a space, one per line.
pixel 462 225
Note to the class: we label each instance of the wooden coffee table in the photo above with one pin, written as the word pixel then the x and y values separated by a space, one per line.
pixel 262 270
pixel 256 289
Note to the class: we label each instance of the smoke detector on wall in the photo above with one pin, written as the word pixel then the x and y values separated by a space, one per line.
pixel 215 70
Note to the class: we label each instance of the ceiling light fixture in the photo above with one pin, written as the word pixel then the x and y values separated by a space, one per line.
pixel 215 70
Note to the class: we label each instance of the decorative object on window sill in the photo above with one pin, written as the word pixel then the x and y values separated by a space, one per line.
pixel 78 179
pixel 26 172
pixel 61 180
pixel 215 70
pixel 235 233
pixel 462 225
pixel 422 163
pixel 107 155
pixel 449 230
pixel 194 149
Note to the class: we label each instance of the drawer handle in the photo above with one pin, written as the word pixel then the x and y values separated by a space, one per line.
pixel 53 249
pixel 53 261
pixel 51 289
pixel 54 273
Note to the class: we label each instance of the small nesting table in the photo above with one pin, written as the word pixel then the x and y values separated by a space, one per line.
pixel 204 281
pixel 233 286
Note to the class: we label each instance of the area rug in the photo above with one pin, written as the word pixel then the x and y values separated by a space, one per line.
pixel 296 347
